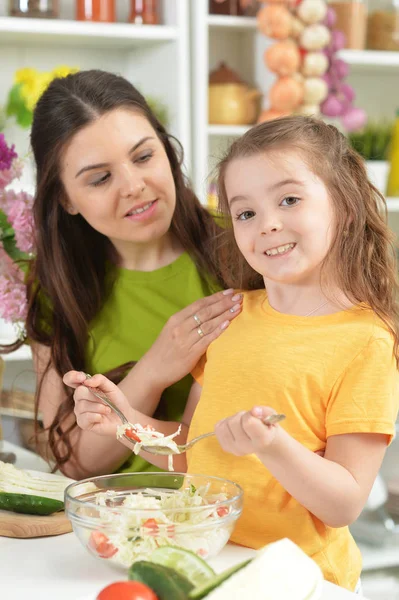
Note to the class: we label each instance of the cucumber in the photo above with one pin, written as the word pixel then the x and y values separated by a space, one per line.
pixel 165 582
pixel 29 504
pixel 207 587
pixel 185 562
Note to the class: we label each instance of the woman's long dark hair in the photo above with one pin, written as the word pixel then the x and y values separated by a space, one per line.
pixel 68 274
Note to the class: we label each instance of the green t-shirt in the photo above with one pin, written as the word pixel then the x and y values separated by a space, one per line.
pixel 138 307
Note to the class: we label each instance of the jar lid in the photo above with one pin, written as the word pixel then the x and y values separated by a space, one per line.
pixel 223 74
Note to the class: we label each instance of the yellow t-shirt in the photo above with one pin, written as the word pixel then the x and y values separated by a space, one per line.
pixel 329 375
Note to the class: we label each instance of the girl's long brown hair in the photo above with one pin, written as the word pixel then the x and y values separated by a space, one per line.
pixel 67 276
pixel 363 252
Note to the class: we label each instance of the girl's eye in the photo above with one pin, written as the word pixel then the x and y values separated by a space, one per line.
pixel 290 201
pixel 245 215
pixel 100 181
pixel 144 157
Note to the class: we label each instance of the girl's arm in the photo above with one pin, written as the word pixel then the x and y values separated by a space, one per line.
pixel 334 488
pixel 94 416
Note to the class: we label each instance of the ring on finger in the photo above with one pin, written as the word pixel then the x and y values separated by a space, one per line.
pixel 200 332
pixel 197 320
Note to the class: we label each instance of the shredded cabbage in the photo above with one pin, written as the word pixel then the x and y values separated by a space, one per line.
pixel 24 481
pixel 150 437
pixel 153 522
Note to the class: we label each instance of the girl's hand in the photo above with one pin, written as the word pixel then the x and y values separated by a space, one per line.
pixel 92 414
pixel 187 335
pixel 245 433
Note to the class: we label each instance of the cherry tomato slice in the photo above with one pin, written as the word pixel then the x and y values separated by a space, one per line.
pixel 130 433
pixel 222 511
pixel 127 590
pixel 100 543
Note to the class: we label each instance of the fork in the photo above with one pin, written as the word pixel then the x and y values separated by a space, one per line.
pixel 270 420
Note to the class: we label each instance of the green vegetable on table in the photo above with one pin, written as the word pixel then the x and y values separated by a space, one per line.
pixel 31 492
pixel 164 581
pixel 29 504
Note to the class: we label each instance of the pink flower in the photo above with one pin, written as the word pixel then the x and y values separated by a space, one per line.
pixel 13 301
pixel 13 304
pixel 17 206
pixel 14 172
pixel 7 154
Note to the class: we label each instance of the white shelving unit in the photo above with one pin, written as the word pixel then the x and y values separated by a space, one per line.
pixel 155 58
pixel 134 51
pixel 217 38
pixel 64 32
pixel 236 41
pixel 370 59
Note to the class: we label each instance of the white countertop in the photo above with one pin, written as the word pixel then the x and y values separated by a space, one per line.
pixel 58 567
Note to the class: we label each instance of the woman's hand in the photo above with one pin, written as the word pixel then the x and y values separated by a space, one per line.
pixel 245 432
pixel 92 414
pixel 187 335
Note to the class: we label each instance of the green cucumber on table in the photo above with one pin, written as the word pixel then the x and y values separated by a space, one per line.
pixel 167 583
pixel 29 504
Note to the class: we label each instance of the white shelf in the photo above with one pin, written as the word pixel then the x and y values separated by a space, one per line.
pixel 232 23
pixel 59 32
pixel 393 204
pixel 228 130
pixel 22 354
pixel 370 58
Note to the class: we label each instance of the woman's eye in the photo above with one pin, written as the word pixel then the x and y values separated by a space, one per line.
pixel 290 201
pixel 144 157
pixel 245 215
pixel 100 181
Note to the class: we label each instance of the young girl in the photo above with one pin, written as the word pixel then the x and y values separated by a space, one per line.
pixel 317 341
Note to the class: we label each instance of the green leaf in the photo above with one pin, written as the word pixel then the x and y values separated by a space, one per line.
pixel 25 118
pixel 12 250
pixel 16 107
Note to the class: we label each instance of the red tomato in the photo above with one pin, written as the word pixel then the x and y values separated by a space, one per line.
pixel 127 590
pixel 100 543
pixel 152 526
pixel 130 433
pixel 222 511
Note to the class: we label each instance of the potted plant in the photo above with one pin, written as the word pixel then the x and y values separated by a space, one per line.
pixel 372 142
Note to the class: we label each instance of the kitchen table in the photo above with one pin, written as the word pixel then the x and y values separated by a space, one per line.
pixel 59 568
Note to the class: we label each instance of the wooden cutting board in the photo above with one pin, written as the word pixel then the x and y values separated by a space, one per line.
pixel 30 526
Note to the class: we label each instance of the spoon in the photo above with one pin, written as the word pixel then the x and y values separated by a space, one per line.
pixel 161 450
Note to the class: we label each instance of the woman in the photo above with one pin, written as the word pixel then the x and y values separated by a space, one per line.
pixel 122 245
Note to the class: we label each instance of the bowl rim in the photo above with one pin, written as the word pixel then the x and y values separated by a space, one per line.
pixel 88 504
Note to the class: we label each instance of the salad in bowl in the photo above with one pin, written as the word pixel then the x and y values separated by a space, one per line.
pixel 123 518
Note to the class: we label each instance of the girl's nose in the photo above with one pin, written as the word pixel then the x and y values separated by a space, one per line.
pixel 270 225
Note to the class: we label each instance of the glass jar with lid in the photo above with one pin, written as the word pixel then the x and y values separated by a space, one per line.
pixel 352 21
pixel 34 8
pixel 96 10
pixel 383 25
pixel 144 12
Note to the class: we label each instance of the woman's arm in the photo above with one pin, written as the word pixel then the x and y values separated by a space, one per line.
pixel 175 352
pixel 334 488
pixel 92 454
pixel 92 415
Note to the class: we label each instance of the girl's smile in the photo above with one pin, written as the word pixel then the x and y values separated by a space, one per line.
pixel 282 217
pixel 280 251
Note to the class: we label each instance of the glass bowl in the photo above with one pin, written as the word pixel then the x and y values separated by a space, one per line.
pixel 122 518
